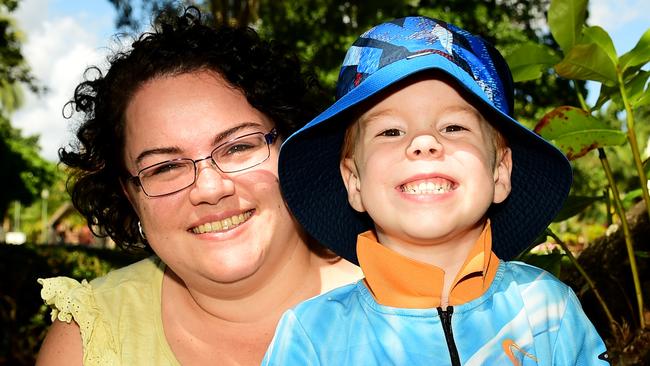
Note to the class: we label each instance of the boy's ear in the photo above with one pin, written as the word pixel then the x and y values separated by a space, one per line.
pixel 352 183
pixel 502 173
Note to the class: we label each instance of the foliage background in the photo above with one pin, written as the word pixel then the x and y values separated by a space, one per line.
pixel 319 31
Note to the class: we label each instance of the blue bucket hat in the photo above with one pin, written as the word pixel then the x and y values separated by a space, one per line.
pixel 386 54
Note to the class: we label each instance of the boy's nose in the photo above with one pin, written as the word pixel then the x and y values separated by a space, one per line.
pixel 211 184
pixel 424 146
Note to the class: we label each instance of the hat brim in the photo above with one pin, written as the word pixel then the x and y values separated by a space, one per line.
pixel 313 188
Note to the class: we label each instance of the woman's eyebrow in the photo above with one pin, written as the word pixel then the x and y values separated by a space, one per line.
pixel 231 131
pixel 156 151
pixel 218 139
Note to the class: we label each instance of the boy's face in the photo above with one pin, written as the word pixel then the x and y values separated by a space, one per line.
pixel 424 167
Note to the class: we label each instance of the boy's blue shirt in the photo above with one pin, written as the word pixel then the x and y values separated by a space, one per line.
pixel 526 317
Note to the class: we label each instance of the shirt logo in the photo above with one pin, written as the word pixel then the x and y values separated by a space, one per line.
pixel 605 357
pixel 515 353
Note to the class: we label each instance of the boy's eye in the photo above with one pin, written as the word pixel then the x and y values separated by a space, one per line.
pixel 453 128
pixel 392 132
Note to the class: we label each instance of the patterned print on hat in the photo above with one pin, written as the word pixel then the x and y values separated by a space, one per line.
pixel 412 37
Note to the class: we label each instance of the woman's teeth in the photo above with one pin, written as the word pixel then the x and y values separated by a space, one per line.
pixel 427 187
pixel 225 224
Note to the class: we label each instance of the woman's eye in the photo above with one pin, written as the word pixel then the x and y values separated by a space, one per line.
pixel 166 168
pixel 453 128
pixel 392 132
pixel 239 148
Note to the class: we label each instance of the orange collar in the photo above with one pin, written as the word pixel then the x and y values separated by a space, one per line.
pixel 399 281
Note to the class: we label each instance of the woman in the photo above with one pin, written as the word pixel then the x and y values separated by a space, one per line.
pixel 178 149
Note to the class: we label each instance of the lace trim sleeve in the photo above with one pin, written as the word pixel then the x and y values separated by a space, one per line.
pixel 71 300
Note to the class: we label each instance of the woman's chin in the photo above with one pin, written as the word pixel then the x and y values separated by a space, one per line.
pixel 234 268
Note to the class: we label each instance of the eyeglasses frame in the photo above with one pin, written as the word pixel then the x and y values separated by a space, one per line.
pixel 269 138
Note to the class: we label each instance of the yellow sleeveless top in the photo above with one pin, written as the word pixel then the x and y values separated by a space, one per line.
pixel 119 314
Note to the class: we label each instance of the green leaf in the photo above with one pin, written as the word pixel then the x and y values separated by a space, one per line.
pixel 563 120
pixel 578 144
pixel 638 55
pixel 529 60
pixel 606 93
pixel 565 20
pixel 577 132
pixel 642 254
pixel 630 197
pixel 575 205
pixel 636 87
pixel 599 36
pixel 588 62
pixel 643 101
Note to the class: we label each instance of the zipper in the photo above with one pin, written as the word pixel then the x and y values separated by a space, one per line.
pixel 445 318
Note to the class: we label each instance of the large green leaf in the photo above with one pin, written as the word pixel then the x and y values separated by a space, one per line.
pixel 638 55
pixel 599 36
pixel 578 144
pixel 529 60
pixel 565 20
pixel 563 120
pixel 577 132
pixel 575 205
pixel 588 62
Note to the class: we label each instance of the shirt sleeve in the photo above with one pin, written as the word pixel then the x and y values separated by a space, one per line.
pixel 71 300
pixel 291 344
pixel 578 342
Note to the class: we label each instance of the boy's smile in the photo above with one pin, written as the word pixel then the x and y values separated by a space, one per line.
pixel 428 186
pixel 425 167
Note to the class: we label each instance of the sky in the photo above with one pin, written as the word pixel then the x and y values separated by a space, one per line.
pixel 64 37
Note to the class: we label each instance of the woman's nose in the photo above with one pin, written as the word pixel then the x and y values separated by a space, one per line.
pixel 424 146
pixel 211 184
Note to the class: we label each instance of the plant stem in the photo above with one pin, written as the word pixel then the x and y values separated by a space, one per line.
pixel 574 261
pixel 608 203
pixel 631 136
pixel 618 206
pixel 634 145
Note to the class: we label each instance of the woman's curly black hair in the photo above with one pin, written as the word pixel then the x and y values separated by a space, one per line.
pixel 267 73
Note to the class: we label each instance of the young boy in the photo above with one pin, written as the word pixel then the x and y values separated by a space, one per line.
pixel 443 186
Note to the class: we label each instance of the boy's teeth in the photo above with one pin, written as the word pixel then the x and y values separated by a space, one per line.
pixel 225 224
pixel 427 187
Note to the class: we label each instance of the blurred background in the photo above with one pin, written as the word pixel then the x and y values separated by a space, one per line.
pixel 47 45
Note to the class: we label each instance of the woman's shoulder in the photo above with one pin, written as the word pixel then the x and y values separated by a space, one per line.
pixel 121 294
pixel 139 272
pixel 69 298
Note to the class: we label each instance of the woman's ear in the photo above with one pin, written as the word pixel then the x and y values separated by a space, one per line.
pixel 352 182
pixel 129 192
pixel 502 174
